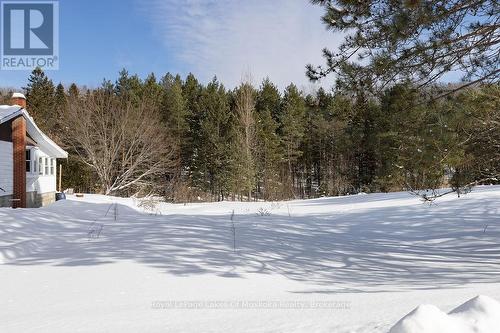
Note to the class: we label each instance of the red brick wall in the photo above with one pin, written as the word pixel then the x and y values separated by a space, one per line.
pixel 19 156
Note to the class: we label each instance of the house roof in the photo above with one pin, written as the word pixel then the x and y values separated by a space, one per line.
pixel 44 142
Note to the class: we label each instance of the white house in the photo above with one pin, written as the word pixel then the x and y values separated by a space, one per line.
pixel 28 172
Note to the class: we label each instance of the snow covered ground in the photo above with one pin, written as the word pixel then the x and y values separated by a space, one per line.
pixel 346 264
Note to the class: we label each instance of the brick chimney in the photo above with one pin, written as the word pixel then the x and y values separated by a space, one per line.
pixel 19 154
pixel 18 99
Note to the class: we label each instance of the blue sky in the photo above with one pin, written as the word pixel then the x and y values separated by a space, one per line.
pixel 228 38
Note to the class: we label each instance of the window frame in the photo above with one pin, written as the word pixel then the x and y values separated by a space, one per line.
pixel 34 171
pixel 52 167
pixel 29 159
pixel 40 166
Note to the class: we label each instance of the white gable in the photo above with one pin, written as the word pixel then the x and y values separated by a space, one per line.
pixel 46 144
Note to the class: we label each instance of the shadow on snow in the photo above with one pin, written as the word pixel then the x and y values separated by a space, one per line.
pixel 416 246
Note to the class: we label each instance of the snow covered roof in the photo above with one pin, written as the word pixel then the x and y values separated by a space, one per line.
pixel 8 112
pixel 18 95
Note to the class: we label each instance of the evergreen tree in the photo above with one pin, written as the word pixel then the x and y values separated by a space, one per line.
pixel 60 95
pixel 128 88
pixel 152 91
pixel 419 145
pixel 364 131
pixel 312 144
pixel 292 132
pixel 257 144
pixel 212 165
pixel 339 150
pixel 175 117
pixel 269 99
pixel 479 133
pixel 174 109
pixel 269 154
pixel 41 101
pixel 61 106
pixel 191 92
pixel 397 41
pixel 73 91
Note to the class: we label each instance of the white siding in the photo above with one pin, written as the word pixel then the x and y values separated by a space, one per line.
pixel 41 183
pixel 34 182
pixel 6 168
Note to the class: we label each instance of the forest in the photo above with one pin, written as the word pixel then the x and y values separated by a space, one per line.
pixel 188 141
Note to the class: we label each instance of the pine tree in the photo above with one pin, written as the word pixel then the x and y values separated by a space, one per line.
pixel 339 148
pixel 478 128
pixel 213 156
pixel 310 161
pixel 365 138
pixel 152 91
pixel 174 108
pixel 292 132
pixel 269 99
pixel 400 41
pixel 128 88
pixel 418 145
pixel 191 93
pixel 61 106
pixel 73 91
pixel 175 117
pixel 41 101
pixel 269 155
pixel 60 95
pixel 258 144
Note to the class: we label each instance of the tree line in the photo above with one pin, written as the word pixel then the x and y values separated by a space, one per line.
pixel 190 141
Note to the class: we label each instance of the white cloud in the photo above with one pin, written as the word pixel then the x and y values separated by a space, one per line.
pixel 230 38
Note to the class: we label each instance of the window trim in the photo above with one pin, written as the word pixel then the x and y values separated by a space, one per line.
pixel 34 171
pixel 40 166
pixel 29 160
pixel 52 167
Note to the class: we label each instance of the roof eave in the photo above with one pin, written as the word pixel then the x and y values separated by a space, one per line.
pixel 44 141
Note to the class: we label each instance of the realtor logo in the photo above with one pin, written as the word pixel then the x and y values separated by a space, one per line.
pixel 30 35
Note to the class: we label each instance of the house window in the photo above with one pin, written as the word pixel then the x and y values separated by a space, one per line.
pixel 46 166
pixel 52 162
pixel 28 160
pixel 40 166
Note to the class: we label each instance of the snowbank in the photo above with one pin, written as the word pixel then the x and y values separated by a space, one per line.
pixel 100 264
pixel 478 315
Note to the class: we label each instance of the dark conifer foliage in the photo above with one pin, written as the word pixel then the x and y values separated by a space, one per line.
pixel 260 143
pixel 41 101
pixel 417 41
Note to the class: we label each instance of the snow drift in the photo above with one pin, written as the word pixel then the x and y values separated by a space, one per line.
pixel 478 315
pixel 98 264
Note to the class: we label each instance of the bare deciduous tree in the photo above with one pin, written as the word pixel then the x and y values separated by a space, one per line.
pixel 245 111
pixel 124 143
